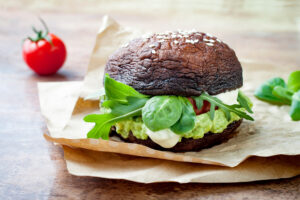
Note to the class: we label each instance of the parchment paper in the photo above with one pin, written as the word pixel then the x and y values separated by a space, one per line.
pixel 84 162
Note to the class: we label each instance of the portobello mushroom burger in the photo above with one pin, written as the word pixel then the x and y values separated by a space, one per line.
pixel 175 91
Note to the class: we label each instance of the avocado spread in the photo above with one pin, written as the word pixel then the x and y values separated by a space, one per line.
pixel 203 124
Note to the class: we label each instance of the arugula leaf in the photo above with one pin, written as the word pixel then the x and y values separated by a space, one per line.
pixel 294 81
pixel 102 126
pixel 118 108
pixel 212 109
pixel 243 100
pixel 161 112
pixel 295 107
pixel 264 92
pixel 118 91
pixel 226 108
pixel 199 102
pixel 105 121
pixel 186 122
pixel 122 100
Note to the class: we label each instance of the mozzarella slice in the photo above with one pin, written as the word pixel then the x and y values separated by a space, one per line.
pixel 165 138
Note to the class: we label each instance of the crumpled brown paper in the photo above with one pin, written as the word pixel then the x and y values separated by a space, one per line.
pixel 57 101
pixel 273 133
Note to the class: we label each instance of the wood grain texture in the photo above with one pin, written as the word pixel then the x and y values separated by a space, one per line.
pixel 31 168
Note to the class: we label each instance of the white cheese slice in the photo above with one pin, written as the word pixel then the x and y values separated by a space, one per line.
pixel 165 138
pixel 228 98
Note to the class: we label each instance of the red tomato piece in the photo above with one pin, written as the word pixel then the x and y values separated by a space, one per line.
pixel 204 109
pixel 44 54
pixel 45 58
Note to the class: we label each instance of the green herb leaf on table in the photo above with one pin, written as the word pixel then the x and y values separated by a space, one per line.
pixel 294 81
pixel 186 122
pixel 161 112
pixel 283 94
pixel 277 92
pixel 265 91
pixel 295 107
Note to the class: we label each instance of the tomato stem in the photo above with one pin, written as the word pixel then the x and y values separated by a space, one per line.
pixel 39 33
pixel 45 25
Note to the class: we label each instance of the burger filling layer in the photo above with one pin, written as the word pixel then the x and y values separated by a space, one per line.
pixel 164 119
pixel 167 139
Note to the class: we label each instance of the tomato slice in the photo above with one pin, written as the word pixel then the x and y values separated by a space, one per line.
pixel 204 109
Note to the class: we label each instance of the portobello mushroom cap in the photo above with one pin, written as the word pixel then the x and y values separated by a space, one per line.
pixel 177 63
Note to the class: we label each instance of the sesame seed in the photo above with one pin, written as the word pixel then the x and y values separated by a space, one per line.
pixel 193 30
pixel 209 44
pixel 208 40
pixel 147 36
pixel 161 37
pixel 219 40
pixel 209 35
pixel 152 45
pixel 176 42
pixel 125 45
pixel 153 51
pixel 191 41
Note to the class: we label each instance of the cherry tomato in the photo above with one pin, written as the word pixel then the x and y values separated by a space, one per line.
pixel 204 109
pixel 45 54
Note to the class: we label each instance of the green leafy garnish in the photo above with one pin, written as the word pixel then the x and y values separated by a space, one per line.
pixel 275 91
pixel 102 126
pixel 161 112
pixel 128 104
pixel 244 101
pixel 227 109
pixel 118 108
pixel 157 112
pixel 264 92
pixel 187 119
pixel 283 94
pixel 294 81
pixel 295 107
pixel 117 91
pixel 119 112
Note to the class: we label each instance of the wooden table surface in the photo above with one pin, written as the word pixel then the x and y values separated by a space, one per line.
pixel 31 168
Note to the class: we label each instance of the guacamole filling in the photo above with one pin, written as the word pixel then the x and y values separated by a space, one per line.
pixel 203 124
